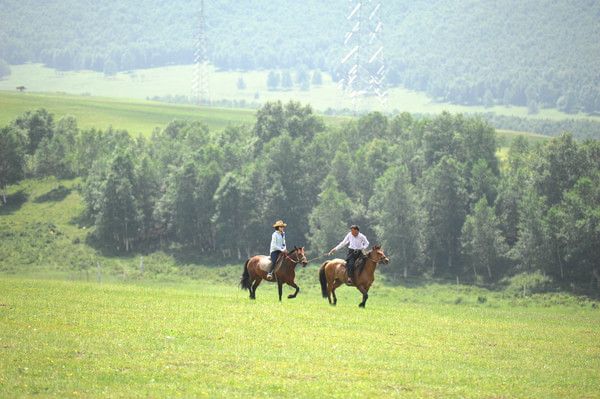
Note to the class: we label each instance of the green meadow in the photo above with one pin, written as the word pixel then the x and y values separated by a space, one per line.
pixel 78 339
pixel 135 116
pixel 77 322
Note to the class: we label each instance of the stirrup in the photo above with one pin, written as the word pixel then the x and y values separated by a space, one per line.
pixel 270 276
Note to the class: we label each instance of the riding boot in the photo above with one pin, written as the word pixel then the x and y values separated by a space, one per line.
pixel 350 276
pixel 270 274
pixel 273 268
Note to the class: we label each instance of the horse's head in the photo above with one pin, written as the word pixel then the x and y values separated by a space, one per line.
pixel 378 256
pixel 300 256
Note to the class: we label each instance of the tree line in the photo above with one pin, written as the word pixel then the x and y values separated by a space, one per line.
pixel 535 54
pixel 430 190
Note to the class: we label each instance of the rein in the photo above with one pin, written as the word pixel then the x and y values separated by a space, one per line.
pixel 317 257
pixel 294 261
pixel 325 254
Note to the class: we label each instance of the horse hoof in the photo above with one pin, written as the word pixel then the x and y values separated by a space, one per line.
pixel 361 305
pixel 291 296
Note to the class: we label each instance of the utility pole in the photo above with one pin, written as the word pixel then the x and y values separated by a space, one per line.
pixel 363 63
pixel 200 84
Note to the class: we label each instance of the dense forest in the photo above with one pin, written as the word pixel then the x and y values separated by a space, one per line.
pixel 430 190
pixel 539 54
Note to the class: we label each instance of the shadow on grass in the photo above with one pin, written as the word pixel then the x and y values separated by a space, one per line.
pixel 56 194
pixel 182 255
pixel 14 202
pixel 109 251
pixel 82 220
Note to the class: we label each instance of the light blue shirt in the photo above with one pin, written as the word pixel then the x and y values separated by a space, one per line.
pixel 277 241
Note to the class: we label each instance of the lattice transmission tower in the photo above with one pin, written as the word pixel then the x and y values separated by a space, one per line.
pixel 363 64
pixel 201 81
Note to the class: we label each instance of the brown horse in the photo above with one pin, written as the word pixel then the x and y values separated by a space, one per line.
pixel 257 267
pixel 332 274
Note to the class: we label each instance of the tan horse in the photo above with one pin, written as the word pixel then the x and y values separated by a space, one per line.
pixel 257 267
pixel 332 274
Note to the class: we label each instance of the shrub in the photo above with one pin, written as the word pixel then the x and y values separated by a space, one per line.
pixel 524 284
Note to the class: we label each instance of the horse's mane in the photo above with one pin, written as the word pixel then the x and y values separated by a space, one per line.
pixel 360 263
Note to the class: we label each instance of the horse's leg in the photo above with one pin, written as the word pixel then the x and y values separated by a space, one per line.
pixel 293 285
pixel 336 284
pixel 329 292
pixel 330 275
pixel 364 291
pixel 279 288
pixel 253 289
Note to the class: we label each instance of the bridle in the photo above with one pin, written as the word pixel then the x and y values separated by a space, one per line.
pixel 294 261
pixel 373 260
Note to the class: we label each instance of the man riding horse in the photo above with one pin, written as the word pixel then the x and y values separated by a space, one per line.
pixel 357 243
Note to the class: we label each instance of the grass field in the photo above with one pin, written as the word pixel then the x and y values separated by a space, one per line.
pixel 75 322
pixel 74 339
pixel 135 116
pixel 176 80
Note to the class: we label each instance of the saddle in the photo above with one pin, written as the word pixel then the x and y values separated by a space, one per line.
pixel 360 263
pixel 277 263
pixel 358 266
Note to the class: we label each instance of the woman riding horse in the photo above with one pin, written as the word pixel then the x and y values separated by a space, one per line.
pixel 333 273
pixel 255 270
pixel 277 245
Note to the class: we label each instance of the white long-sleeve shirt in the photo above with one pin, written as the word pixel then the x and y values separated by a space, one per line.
pixel 277 241
pixel 358 242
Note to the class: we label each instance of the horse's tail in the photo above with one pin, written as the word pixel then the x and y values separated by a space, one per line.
pixel 323 280
pixel 245 281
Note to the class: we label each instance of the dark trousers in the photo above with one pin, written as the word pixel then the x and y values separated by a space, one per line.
pixel 274 257
pixel 353 255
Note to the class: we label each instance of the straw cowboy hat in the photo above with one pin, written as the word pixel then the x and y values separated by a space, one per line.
pixel 279 223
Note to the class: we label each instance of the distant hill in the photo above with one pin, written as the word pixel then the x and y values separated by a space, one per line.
pixel 540 54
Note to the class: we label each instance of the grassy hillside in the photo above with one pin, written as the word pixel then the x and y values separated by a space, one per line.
pixel 139 116
pixel 136 116
pixel 72 339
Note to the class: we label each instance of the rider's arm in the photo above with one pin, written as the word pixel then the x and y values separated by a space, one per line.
pixel 342 244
